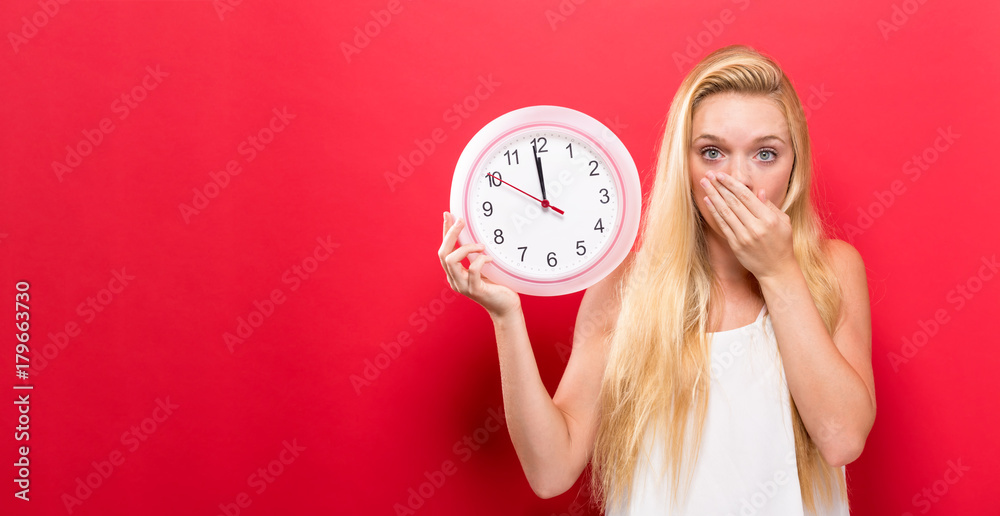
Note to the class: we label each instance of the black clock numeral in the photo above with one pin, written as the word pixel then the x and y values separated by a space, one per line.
pixel 580 249
pixel 487 208
pixel 570 147
pixel 498 236
pixel 606 199
pixel 540 144
pixel 593 171
pixel 551 258
pixel 509 154
pixel 599 226
pixel 523 250
pixel 494 178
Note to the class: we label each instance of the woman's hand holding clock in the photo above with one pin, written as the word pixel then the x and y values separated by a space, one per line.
pixel 498 300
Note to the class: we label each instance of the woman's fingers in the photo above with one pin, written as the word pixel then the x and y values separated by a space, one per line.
pixel 454 259
pixel 450 236
pixel 462 280
pixel 475 268
pixel 453 263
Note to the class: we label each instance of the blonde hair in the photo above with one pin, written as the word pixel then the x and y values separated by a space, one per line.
pixel 658 364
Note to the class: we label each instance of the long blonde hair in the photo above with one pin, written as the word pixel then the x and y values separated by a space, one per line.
pixel 658 364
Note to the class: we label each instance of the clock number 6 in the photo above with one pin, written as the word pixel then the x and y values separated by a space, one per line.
pixel 551 258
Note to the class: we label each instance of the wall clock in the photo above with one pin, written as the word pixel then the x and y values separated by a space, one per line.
pixel 553 195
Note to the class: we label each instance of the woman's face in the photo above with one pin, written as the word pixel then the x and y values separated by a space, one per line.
pixel 747 138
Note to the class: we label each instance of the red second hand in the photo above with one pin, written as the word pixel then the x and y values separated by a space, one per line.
pixel 545 204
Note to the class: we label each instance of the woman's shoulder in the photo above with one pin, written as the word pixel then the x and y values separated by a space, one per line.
pixel 842 255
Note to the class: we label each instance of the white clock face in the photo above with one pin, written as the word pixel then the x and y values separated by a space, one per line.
pixel 551 234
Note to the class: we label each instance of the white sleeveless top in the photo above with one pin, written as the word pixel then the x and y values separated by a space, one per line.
pixel 747 462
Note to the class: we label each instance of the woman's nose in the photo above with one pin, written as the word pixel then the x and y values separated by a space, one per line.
pixel 739 170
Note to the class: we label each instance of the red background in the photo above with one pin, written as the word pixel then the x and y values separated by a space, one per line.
pixel 877 101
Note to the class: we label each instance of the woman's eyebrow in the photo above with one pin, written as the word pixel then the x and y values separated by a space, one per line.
pixel 714 138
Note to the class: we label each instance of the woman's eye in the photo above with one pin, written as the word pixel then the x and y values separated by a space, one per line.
pixel 710 153
pixel 767 155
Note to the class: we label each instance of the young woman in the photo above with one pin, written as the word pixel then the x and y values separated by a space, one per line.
pixel 725 367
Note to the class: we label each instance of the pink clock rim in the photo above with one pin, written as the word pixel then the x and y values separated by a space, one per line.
pixel 620 162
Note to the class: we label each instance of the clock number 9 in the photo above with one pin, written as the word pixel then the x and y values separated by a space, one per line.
pixel 487 208
pixel 606 199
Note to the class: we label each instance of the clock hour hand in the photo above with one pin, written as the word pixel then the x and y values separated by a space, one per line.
pixel 545 204
pixel 538 166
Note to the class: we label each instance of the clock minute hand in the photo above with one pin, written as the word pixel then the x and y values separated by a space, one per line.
pixel 538 166
pixel 545 204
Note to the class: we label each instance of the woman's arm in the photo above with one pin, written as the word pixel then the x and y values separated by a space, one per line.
pixel 830 379
pixel 554 436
